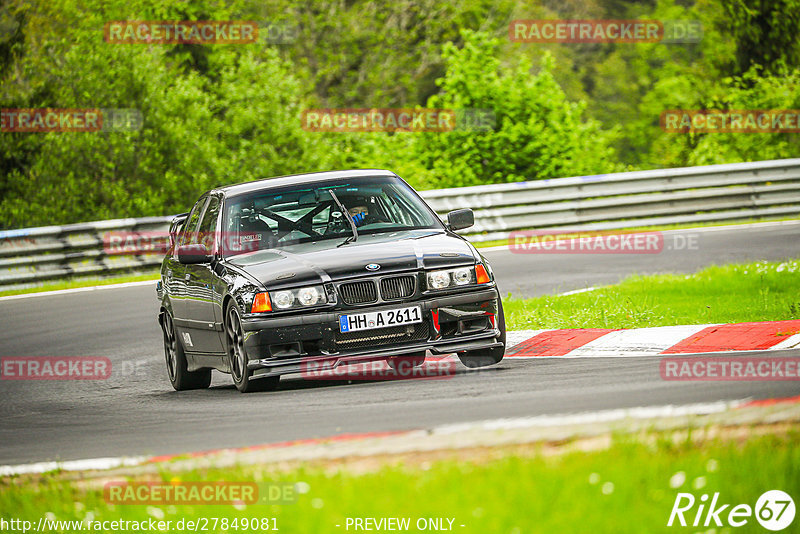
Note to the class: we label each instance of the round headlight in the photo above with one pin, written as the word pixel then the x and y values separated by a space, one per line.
pixel 308 296
pixel 439 279
pixel 283 299
pixel 462 276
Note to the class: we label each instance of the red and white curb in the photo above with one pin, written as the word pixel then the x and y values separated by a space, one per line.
pixel 655 341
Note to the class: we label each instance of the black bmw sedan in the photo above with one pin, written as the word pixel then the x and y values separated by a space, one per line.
pixel 330 268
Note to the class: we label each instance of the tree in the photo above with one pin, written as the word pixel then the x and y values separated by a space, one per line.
pixel 538 132
pixel 765 32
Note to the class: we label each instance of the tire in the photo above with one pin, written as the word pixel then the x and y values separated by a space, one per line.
pixel 486 357
pixel 177 368
pixel 414 360
pixel 237 356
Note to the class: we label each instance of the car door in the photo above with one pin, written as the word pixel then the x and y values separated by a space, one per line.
pixel 203 300
pixel 176 274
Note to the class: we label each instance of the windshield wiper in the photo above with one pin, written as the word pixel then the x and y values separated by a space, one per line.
pixel 350 220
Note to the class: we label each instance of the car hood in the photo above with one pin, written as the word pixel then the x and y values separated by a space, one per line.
pixel 310 263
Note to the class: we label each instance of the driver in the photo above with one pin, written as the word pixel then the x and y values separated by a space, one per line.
pixel 359 213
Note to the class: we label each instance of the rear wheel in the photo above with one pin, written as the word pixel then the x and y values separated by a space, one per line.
pixel 486 357
pixel 177 367
pixel 412 360
pixel 243 377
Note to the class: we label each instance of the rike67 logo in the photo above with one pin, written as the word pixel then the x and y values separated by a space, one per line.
pixel 774 510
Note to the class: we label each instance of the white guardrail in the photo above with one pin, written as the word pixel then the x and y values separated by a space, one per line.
pixel 714 193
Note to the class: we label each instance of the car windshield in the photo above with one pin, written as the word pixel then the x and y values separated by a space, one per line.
pixel 279 217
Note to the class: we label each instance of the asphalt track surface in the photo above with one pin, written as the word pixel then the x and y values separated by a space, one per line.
pixel 136 412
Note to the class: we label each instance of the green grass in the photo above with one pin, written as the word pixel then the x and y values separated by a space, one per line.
pixel 623 489
pixel 75 283
pixel 759 291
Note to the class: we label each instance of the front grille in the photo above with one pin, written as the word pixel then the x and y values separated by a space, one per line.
pixel 398 287
pixel 362 292
pixel 382 336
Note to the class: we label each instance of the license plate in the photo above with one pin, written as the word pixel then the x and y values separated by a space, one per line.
pixel 379 319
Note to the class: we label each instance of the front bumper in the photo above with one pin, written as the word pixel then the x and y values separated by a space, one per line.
pixel 452 323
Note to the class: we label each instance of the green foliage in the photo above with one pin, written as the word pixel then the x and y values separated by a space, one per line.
pixel 765 32
pixel 539 133
pixel 748 92
pixel 218 114
pixel 704 82
pixel 235 121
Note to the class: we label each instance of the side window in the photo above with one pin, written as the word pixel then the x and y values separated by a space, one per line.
pixel 190 228
pixel 208 224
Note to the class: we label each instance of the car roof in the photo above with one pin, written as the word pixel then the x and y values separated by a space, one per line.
pixel 300 179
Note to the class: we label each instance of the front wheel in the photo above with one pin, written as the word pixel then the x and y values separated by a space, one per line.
pixel 486 357
pixel 177 368
pixel 237 357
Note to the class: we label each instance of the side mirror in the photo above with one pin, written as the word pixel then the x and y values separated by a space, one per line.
pixel 189 254
pixel 460 219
